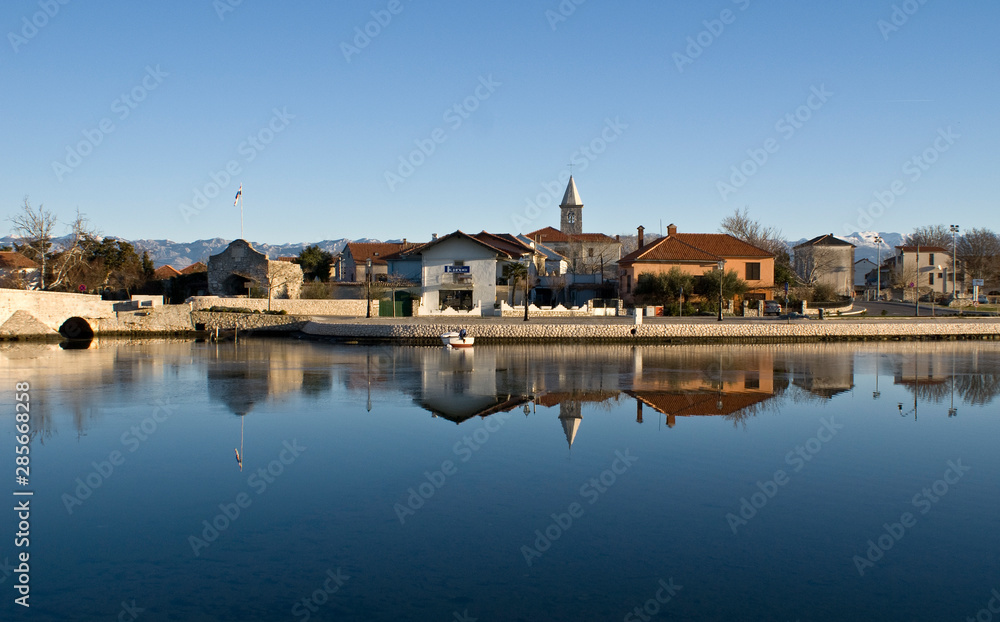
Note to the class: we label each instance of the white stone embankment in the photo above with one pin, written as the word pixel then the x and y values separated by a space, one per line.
pixel 748 331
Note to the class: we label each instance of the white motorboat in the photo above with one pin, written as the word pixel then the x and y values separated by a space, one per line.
pixel 457 339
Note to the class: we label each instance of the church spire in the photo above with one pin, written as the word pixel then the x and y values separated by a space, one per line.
pixel 571 221
pixel 572 196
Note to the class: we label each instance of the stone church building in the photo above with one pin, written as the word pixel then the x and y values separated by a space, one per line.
pixel 587 253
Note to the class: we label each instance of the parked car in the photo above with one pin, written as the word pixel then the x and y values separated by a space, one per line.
pixel 772 307
pixel 983 300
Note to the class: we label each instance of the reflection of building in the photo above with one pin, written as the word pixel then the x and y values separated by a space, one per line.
pixel 455 388
pixel 824 375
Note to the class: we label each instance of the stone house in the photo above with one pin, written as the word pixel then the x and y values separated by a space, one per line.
pixel 696 254
pixel 826 260
pixel 241 267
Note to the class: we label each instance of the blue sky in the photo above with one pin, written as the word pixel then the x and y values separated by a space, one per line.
pixel 655 121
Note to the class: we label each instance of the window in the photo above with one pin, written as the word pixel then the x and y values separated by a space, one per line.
pixel 930 259
pixel 590 252
pixel 753 271
pixel 628 283
pixel 931 277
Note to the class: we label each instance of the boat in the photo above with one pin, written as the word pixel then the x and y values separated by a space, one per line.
pixel 457 339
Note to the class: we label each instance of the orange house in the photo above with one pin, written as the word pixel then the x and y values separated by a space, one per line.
pixel 696 254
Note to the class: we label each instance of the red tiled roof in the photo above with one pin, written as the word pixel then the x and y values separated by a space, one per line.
pixel 12 260
pixel 550 234
pixel 377 251
pixel 670 248
pixel 698 403
pixel 165 272
pixel 195 267
pixel 722 244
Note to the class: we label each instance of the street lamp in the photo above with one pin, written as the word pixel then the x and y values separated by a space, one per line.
pixel 954 265
pixel 527 262
pixel 368 286
pixel 722 275
pixel 878 268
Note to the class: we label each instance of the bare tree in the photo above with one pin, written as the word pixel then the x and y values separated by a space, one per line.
pixel 931 235
pixel 741 226
pixel 36 230
pixel 979 252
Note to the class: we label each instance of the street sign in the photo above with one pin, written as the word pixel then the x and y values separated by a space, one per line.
pixel 978 282
pixel 457 269
pixel 786 288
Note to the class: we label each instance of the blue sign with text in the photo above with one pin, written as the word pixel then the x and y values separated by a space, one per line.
pixel 457 269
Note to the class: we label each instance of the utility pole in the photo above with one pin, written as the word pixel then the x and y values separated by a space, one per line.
pixel 954 263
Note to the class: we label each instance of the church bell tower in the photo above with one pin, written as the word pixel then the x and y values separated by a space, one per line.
pixel 571 208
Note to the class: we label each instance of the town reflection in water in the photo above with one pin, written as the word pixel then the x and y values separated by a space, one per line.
pixel 671 383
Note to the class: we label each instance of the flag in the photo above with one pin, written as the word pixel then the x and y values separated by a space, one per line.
pixel 236 201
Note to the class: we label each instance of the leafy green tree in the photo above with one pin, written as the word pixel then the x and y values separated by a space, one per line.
pixel 315 262
pixel 665 288
pixel 732 285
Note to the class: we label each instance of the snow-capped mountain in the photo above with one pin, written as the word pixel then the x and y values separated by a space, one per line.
pixel 864 241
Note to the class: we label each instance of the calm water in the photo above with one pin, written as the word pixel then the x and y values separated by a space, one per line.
pixel 507 483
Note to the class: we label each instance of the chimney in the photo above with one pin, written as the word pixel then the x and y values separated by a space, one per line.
pixel 642 239
pixel 434 236
pixel 404 241
pixel 671 229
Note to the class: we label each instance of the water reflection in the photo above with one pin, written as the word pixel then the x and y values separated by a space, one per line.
pixel 733 382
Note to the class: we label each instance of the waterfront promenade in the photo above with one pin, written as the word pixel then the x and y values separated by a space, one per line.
pixel 661 329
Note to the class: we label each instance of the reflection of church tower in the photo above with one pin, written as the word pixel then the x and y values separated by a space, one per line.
pixel 570 418
pixel 572 210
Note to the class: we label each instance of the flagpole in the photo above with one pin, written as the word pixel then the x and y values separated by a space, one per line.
pixel 241 210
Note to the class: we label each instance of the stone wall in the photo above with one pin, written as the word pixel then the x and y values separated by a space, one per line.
pixel 339 307
pixel 162 319
pixel 285 279
pixel 735 331
pixel 53 308
pixel 248 321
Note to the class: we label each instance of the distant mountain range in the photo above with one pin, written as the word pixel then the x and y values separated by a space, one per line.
pixel 183 254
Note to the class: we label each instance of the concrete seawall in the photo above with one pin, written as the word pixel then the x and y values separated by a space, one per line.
pixel 763 331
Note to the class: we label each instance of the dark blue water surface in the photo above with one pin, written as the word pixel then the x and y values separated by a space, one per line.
pixel 604 482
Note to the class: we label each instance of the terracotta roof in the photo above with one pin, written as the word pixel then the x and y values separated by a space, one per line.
pixel 722 244
pixel 412 248
pixel 195 267
pixel 698 403
pixel 377 251
pixel 670 248
pixel 557 397
pixel 12 260
pixel 550 234
pixel 165 272
pixel 825 240
pixel 923 249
